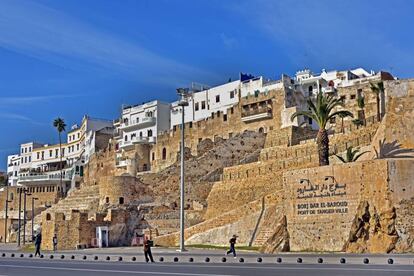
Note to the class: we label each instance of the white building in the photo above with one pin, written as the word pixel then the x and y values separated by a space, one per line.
pixel 202 104
pixel 40 163
pixel 142 123
pixel 13 168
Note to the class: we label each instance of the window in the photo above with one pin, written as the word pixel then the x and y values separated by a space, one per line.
pixel 63 152
pixel 149 132
pixel 38 155
pixel 77 147
pixel 153 156
pixel 30 149
pixel 140 134
pixel 191 124
pixel 196 107
pixel 56 153
pixel 231 94
pixel 25 159
pixel 48 217
pixel 126 138
pixel 121 200
pixel 43 155
pixel 203 105
pixel 164 153
pixel 310 90
pixel 25 150
pixel 353 97
pixel 106 199
pixel 22 150
pixel 232 110
pixel 78 135
pixel 217 98
pixel 30 159
pixel 224 117
pixel 50 153
pixel 359 93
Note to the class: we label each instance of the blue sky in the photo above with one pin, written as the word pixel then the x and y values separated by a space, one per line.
pixel 70 58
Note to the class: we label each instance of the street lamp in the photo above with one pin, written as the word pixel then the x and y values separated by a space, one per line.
pixel 183 102
pixel 6 214
pixel 33 200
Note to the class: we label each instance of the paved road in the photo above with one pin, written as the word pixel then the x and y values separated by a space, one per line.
pixel 34 267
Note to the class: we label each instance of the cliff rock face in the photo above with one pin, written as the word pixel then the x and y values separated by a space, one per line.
pixel 372 231
pixel 279 240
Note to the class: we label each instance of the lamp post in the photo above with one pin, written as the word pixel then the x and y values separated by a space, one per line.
pixel 6 214
pixel 33 200
pixel 20 213
pixel 183 102
pixel 24 216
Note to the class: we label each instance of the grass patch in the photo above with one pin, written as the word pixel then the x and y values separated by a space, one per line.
pixel 27 248
pixel 210 246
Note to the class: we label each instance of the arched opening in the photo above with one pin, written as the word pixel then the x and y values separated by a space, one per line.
pixel 106 199
pixel 261 130
pixel 121 200
pixel 48 216
pixel 164 153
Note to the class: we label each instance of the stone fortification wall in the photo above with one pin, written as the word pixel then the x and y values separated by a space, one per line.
pixel 330 208
pixel 220 125
pixel 78 230
pixel 115 190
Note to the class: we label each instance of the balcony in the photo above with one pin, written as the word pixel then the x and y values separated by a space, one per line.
pixel 138 124
pixel 137 140
pixel 256 114
pixel 50 178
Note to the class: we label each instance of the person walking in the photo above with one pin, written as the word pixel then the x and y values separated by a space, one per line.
pixel 232 246
pixel 55 241
pixel 147 250
pixel 38 242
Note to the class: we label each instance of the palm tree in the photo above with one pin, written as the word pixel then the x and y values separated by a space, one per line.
pixel 322 111
pixel 351 155
pixel 378 89
pixel 60 126
pixel 361 105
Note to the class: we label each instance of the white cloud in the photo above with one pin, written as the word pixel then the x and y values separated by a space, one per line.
pixel 53 36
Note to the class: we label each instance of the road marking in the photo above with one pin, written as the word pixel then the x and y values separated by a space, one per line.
pixel 112 271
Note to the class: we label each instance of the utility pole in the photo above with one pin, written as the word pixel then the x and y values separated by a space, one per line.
pixel 20 213
pixel 24 216
pixel 183 93
pixel 33 199
pixel 5 217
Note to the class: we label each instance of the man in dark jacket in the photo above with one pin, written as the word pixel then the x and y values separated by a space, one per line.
pixel 232 246
pixel 38 242
pixel 55 241
pixel 147 250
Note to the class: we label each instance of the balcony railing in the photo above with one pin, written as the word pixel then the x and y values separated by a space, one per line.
pixel 256 114
pixel 256 111
pixel 44 177
pixel 144 122
pixel 137 140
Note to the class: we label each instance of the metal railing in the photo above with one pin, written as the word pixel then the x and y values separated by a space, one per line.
pixel 256 111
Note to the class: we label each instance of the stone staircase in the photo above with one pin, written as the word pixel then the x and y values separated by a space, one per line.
pixel 263 235
pixel 84 199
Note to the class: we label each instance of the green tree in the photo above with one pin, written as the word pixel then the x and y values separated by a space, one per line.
pixel 60 126
pixel 322 111
pixel 378 89
pixel 351 155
